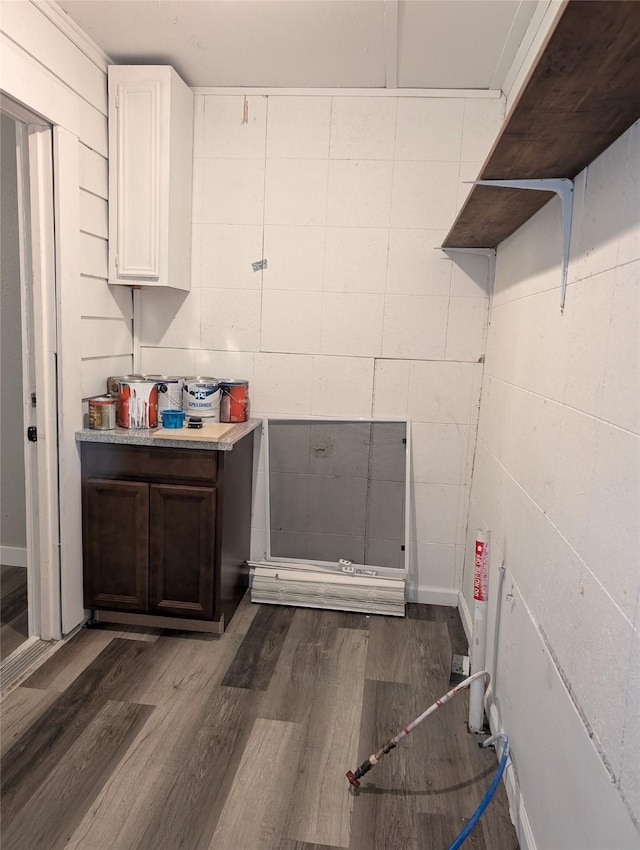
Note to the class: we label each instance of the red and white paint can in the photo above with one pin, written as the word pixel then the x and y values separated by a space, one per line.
pixel 138 404
pixel 113 383
pixel 201 397
pixel 234 400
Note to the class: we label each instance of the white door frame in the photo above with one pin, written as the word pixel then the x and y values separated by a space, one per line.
pixel 38 300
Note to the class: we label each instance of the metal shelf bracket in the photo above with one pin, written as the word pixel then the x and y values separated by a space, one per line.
pixel 561 186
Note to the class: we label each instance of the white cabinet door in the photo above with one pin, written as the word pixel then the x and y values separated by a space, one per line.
pixel 150 176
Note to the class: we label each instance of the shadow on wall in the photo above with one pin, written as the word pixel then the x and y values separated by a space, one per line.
pixel 469 273
pixel 169 310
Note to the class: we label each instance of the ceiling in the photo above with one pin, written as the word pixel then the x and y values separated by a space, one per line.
pixel 314 43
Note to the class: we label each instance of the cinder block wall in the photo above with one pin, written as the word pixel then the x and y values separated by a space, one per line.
pixel 356 314
pixel 556 479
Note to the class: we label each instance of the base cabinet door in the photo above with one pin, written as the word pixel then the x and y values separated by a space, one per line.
pixel 116 568
pixel 166 532
pixel 182 550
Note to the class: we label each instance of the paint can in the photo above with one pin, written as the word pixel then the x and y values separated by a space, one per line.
pixel 137 404
pixel 201 397
pixel 102 413
pixel 234 400
pixel 169 391
pixel 113 383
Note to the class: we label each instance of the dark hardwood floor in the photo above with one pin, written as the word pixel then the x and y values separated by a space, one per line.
pixel 134 738
pixel 14 624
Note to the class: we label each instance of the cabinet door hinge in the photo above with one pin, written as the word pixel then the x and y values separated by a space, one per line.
pixel 117 102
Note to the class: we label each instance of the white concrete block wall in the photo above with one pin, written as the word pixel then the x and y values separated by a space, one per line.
pixel 557 480
pixel 356 314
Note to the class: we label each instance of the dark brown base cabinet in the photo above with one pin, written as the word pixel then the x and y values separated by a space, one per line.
pixel 166 532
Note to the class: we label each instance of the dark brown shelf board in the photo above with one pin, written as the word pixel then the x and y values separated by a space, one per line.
pixel 583 93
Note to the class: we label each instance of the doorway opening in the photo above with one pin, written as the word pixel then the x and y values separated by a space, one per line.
pixel 29 533
pixel 14 621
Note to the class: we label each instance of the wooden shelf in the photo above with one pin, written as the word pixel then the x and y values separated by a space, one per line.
pixel 583 93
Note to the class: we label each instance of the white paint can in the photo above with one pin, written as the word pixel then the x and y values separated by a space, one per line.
pixel 169 391
pixel 201 397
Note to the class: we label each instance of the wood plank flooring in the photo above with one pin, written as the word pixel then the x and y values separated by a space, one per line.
pixel 14 623
pixel 161 741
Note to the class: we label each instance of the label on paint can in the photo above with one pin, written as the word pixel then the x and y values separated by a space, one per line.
pixel 138 404
pixel 234 400
pixel 201 397
pixel 102 413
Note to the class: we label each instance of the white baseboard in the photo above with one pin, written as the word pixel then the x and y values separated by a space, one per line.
pixel 13 556
pixel 517 809
pixel 433 595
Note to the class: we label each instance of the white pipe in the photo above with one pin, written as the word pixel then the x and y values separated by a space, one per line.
pixel 479 638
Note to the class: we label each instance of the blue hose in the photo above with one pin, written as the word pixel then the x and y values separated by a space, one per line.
pixel 475 817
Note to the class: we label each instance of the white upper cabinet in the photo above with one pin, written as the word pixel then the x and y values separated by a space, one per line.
pixel 150 176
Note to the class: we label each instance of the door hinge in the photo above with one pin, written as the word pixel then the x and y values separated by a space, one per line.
pixel 117 102
pixel 32 434
pixel 33 399
pixel 117 261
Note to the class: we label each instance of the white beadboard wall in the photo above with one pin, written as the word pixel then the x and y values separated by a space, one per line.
pixel 356 314
pixel 107 311
pixel 556 479
pixel 46 71
pixel 73 94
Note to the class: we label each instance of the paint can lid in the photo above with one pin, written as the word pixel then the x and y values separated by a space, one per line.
pixel 201 379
